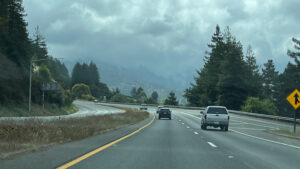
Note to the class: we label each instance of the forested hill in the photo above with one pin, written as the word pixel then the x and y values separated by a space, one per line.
pixel 17 49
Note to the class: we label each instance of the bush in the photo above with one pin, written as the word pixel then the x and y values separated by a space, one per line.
pixel 255 105
pixel 121 98
pixel 80 90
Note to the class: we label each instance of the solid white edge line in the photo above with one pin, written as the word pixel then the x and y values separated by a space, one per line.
pixel 259 138
pixel 212 144
pixel 271 141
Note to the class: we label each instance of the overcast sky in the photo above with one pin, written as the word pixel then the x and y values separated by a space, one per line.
pixel 167 37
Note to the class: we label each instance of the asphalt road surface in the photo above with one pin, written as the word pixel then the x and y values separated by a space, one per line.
pixel 86 108
pixel 181 144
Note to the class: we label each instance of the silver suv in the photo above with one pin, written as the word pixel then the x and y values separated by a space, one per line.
pixel 216 116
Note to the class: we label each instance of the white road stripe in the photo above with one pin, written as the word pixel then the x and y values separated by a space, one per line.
pixel 243 128
pixel 212 144
pixel 187 127
pixel 276 142
pixel 259 138
pixel 255 124
pixel 196 132
pixel 182 123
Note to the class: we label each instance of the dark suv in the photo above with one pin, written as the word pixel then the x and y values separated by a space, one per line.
pixel 164 113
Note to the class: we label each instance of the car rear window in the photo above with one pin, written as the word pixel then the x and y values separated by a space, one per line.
pixel 165 110
pixel 216 110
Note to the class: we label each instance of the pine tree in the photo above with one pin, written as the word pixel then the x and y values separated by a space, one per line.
pixel 93 75
pixel 270 77
pixel 232 89
pixel 171 100
pixel 133 92
pixel 253 80
pixel 39 43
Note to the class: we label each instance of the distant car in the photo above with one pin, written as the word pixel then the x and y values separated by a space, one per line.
pixel 143 107
pixel 164 113
pixel 158 108
pixel 216 116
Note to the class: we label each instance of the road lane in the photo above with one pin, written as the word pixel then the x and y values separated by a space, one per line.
pixel 180 143
pixel 253 152
pixel 164 144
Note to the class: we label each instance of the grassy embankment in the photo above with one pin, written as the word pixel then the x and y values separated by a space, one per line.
pixel 286 133
pixel 31 135
pixel 21 110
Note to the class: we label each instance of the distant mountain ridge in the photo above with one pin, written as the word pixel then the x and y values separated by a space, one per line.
pixel 127 78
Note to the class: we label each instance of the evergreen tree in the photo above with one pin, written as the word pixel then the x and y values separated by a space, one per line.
pixel 14 43
pixel 141 95
pixel 253 80
pixel 133 92
pixel 154 96
pixel 93 75
pixel 171 100
pixel 39 45
pixel 270 77
pixel 232 84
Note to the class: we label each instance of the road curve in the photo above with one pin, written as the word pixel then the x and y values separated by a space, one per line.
pixel 180 143
pixel 86 108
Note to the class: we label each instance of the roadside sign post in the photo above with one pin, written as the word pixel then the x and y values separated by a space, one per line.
pixel 294 100
pixel 51 86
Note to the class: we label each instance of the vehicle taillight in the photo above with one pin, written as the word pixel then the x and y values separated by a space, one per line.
pixel 205 117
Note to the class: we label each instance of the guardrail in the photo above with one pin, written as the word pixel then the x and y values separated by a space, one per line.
pixel 265 116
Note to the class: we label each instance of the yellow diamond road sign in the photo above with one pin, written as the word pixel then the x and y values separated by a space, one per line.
pixel 294 99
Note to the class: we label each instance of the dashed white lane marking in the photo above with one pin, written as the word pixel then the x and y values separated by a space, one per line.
pixel 212 144
pixel 196 132
pixel 259 138
pixel 230 156
pixel 188 127
pixel 179 120
pixel 182 123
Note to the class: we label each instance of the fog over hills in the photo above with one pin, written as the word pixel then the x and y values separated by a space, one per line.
pixel 126 78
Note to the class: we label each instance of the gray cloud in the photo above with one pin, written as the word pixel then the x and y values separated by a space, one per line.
pixel 167 37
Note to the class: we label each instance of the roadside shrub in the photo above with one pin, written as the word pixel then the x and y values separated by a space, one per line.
pixel 121 98
pixel 80 89
pixel 255 105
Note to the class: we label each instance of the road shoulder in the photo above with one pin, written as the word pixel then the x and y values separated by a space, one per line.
pixel 60 154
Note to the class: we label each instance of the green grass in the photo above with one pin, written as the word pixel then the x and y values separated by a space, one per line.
pixel 13 110
pixel 286 133
pixel 22 136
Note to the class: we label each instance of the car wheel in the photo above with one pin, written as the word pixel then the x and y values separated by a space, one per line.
pixel 204 127
pixel 222 127
pixel 170 118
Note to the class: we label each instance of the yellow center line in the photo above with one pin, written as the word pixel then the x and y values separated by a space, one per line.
pixel 87 155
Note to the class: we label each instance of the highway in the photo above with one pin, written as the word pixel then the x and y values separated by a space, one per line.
pixel 178 144
pixel 86 108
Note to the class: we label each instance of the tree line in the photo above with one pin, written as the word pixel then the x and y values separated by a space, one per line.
pixel 18 49
pixel 233 79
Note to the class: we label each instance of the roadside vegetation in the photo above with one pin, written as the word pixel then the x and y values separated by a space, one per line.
pixel 29 135
pixel 37 110
pixel 231 77
pixel 285 133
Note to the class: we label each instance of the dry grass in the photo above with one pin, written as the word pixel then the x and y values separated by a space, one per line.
pixel 285 133
pixel 29 135
pixel 21 110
